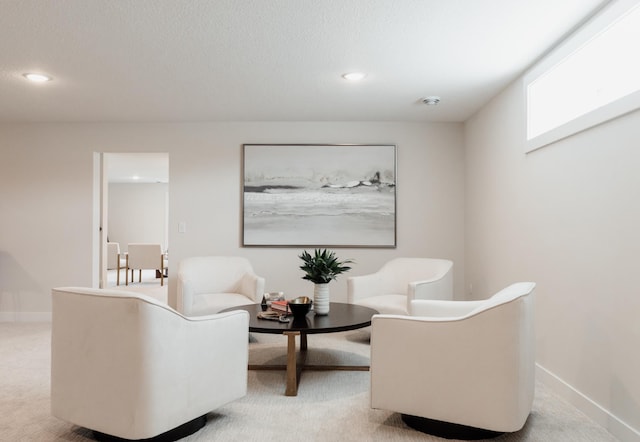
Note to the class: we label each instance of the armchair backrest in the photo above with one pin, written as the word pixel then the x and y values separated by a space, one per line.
pixel 145 256
pixel 401 271
pixel 520 294
pixel 213 274
pixel 209 284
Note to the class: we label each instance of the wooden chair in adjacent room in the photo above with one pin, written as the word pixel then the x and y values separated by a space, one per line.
pixel 143 256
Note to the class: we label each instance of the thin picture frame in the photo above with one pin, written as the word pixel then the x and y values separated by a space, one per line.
pixel 320 195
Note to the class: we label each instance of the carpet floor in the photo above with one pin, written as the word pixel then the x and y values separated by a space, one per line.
pixel 330 406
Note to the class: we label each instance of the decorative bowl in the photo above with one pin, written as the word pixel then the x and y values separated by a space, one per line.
pixel 300 306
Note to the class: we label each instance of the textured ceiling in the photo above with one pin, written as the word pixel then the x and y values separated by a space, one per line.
pixel 269 60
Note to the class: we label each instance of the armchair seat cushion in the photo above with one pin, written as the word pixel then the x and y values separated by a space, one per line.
pixel 210 303
pixel 387 304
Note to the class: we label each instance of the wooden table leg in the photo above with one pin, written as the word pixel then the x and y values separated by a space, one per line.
pixel 292 369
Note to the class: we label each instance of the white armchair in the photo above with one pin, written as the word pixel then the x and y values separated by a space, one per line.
pixel 457 369
pixel 209 284
pixel 125 365
pixel 399 281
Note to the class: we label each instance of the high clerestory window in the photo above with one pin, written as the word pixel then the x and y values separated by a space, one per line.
pixel 592 77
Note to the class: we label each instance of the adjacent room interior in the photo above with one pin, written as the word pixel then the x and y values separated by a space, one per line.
pixel 137 211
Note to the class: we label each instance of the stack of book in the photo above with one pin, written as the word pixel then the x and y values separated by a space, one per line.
pixel 280 306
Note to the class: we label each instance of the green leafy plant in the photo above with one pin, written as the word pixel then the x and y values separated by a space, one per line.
pixel 323 266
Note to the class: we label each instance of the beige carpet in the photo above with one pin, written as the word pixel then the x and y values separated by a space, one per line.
pixel 330 406
pixel 149 284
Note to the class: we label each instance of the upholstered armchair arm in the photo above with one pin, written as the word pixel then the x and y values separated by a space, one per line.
pixel 442 309
pixel 206 341
pixel 252 286
pixel 185 295
pixel 364 286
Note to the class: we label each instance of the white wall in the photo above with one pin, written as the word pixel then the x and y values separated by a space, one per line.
pixel 567 217
pixel 46 198
pixel 138 213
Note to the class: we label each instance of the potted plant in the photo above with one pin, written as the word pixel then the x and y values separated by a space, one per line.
pixel 321 268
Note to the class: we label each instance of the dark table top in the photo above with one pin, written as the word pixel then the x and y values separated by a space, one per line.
pixel 341 317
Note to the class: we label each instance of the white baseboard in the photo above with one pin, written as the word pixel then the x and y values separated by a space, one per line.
pixel 25 316
pixel 600 415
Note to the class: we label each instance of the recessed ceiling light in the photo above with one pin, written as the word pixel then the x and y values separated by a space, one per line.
pixel 37 78
pixel 135 177
pixel 354 76
pixel 431 100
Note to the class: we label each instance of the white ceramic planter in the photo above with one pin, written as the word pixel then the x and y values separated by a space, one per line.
pixel 321 299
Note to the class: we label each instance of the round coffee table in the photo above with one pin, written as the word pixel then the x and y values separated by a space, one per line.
pixel 341 317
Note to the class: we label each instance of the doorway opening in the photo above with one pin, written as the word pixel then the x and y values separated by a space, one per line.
pixel 135 209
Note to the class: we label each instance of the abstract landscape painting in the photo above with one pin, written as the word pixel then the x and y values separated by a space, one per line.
pixel 319 195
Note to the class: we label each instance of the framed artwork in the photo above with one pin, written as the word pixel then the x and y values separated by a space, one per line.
pixel 324 195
